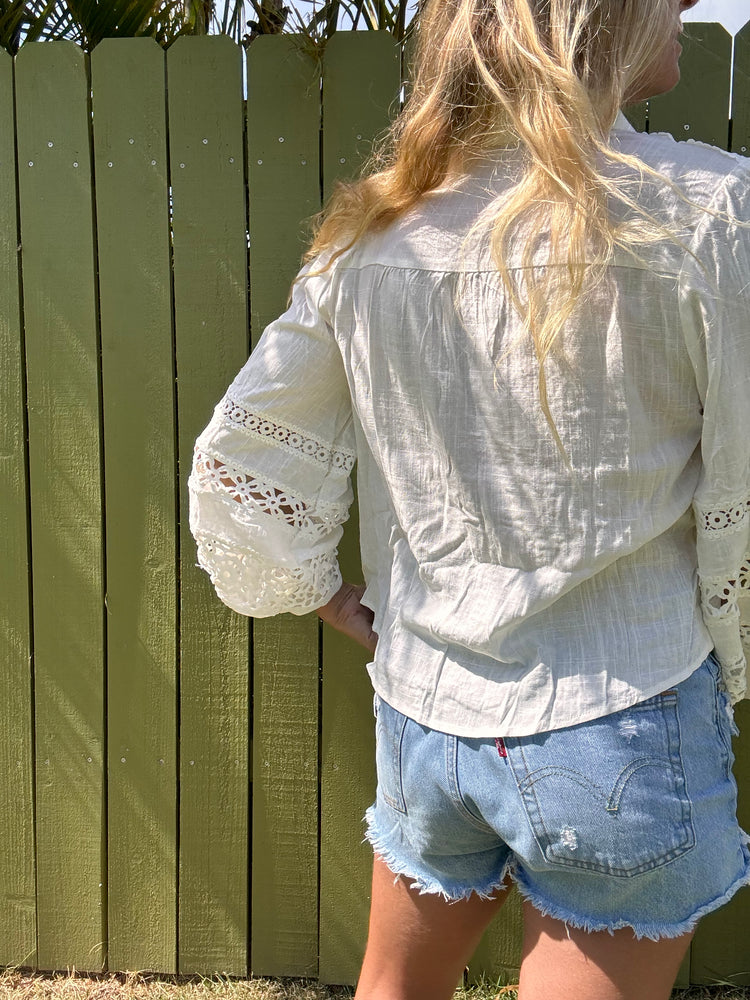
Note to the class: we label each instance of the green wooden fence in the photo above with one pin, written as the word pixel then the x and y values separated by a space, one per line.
pixel 182 790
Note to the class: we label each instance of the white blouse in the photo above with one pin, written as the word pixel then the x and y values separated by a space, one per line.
pixel 512 593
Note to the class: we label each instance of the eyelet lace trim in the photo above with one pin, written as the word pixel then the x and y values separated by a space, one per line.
pixel 288 437
pixel 729 517
pixel 733 676
pixel 312 522
pixel 720 596
pixel 254 585
pixel 247 580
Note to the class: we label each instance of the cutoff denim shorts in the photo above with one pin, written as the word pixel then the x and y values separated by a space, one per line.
pixel 626 821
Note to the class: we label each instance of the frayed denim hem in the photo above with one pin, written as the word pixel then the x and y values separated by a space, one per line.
pixel 424 885
pixel 453 893
pixel 654 932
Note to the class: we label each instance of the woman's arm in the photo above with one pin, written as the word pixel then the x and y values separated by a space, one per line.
pixel 269 489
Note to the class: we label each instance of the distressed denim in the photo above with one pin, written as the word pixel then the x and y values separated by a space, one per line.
pixel 625 821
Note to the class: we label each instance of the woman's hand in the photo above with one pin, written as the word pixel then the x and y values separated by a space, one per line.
pixel 347 614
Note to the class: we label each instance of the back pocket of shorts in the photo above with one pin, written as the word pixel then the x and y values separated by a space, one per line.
pixel 609 795
pixel 389 736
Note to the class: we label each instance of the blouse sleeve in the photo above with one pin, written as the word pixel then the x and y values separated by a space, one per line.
pixel 715 305
pixel 269 488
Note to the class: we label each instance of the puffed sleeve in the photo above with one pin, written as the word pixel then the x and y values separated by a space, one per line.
pixel 715 308
pixel 269 488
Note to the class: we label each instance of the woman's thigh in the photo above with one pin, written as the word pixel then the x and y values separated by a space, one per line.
pixel 570 964
pixel 419 943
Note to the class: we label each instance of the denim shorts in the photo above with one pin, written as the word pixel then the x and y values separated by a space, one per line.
pixel 626 821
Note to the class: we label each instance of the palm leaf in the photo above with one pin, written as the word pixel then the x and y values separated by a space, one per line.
pixel 87 22
pixel 14 17
pixel 124 18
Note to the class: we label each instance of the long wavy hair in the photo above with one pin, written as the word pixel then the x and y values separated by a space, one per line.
pixel 551 76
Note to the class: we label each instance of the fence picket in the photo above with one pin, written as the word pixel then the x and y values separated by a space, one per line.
pixel 210 304
pixel 283 142
pixel 698 107
pixel 130 151
pixel 361 72
pixel 741 93
pixel 17 889
pixel 62 355
pixel 360 90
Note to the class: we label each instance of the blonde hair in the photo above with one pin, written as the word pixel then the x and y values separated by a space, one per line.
pixel 552 75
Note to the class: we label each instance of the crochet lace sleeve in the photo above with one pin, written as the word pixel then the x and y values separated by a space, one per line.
pixel 266 550
pixel 269 487
pixel 724 576
pixel 714 294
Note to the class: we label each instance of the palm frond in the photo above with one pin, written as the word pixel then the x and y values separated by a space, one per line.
pixel 14 17
pixel 87 22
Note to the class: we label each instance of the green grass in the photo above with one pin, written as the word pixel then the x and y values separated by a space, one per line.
pixel 489 991
pixel 16 984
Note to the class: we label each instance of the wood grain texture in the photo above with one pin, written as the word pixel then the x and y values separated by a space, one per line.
pixel 17 888
pixel 283 167
pixel 283 154
pixel 360 88
pixel 130 154
pixel 285 799
pixel 59 287
pixel 361 71
pixel 741 93
pixel 347 789
pixel 698 107
pixel 204 77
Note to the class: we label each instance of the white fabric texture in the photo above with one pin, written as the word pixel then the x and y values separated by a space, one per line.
pixel 512 593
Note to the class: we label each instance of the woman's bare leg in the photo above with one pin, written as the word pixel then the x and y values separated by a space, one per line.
pixel 418 945
pixel 570 964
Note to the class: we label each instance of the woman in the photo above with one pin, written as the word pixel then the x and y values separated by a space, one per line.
pixel 528 326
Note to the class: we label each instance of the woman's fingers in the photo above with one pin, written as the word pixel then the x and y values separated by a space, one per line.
pixel 348 615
